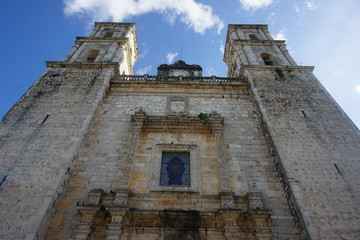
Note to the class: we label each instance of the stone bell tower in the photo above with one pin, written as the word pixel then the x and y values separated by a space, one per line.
pixel 314 146
pixel 42 133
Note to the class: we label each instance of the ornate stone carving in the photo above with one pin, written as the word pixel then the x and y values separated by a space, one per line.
pixel 86 218
pixel 227 200
pixel 137 123
pixel 254 200
pixel 94 197
pixel 116 217
pixel 230 219
pixel 256 204
pixel 261 223
pixel 228 203
pixel 223 172
pixel 120 200
pixel 178 106
pixel 93 200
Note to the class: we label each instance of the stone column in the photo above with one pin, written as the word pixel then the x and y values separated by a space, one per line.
pixel 262 34
pixel 119 54
pixel 242 57
pixel 240 33
pixel 287 56
pixel 95 32
pixel 87 210
pixel 83 229
pixel 231 228
pixel 114 227
pixel 259 216
pixel 217 130
pixel 263 227
pixel 72 51
pixel 111 52
pixel 250 55
pixel 227 198
pixel 136 126
pixel 280 57
pixel 268 34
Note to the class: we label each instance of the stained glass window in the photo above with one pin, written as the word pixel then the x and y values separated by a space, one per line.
pixel 175 169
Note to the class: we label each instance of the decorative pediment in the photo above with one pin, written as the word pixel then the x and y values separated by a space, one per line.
pixel 178 122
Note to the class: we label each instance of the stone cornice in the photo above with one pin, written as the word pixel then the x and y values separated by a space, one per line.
pixel 114 24
pixel 97 39
pixel 247 26
pixel 80 65
pixel 146 79
pixel 273 68
pixel 180 123
pixel 260 42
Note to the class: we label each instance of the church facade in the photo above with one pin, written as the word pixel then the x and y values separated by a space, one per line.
pixel 92 151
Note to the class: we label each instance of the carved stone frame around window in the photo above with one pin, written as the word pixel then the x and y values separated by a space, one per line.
pixel 154 184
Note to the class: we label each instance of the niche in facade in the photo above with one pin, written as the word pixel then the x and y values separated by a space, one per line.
pixel 92 54
pixel 253 37
pixel 109 34
pixel 268 59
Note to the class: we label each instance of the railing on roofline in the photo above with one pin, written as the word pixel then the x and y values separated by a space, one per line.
pixel 146 77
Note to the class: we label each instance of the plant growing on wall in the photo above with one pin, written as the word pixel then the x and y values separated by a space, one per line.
pixel 280 73
pixel 203 116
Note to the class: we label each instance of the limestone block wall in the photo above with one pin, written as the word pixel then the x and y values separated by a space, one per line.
pixel 317 147
pixel 100 162
pixel 39 138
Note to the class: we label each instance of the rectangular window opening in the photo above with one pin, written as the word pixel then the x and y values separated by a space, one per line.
pixel 175 169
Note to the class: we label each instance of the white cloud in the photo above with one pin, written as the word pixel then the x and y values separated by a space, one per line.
pixel 272 18
pixel 297 9
pixel 280 35
pixel 197 16
pixel 143 52
pixel 358 88
pixel 311 5
pixel 210 71
pixel 255 4
pixel 222 47
pixel 170 57
pixel 144 70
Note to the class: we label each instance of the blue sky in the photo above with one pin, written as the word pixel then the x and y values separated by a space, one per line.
pixel 320 33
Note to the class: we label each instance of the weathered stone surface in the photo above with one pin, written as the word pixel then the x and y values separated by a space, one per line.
pixel 106 149
pixel 40 138
pixel 271 155
pixel 314 145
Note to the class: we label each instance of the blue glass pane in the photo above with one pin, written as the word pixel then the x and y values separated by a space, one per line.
pixel 163 169
pixel 164 179
pixel 187 169
pixel 175 169
pixel 186 180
